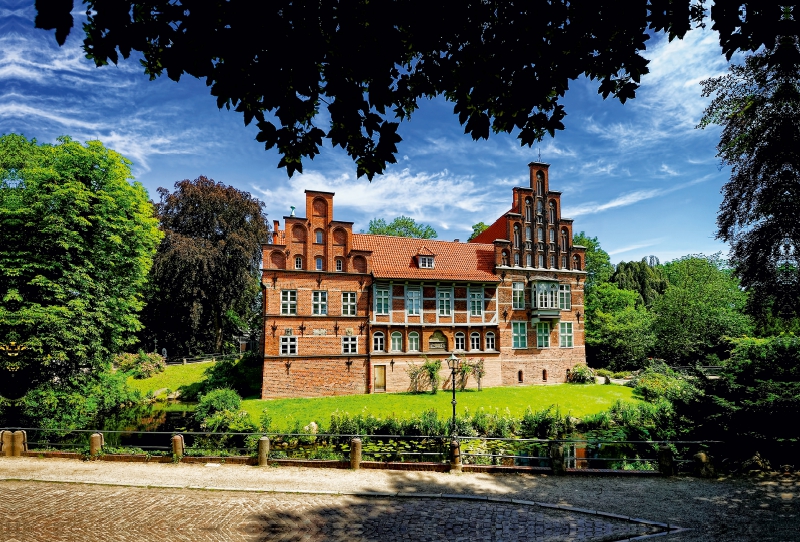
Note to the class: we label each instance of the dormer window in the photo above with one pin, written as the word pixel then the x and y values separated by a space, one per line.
pixel 425 262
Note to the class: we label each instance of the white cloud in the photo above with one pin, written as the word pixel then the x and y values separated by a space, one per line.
pixel 627 199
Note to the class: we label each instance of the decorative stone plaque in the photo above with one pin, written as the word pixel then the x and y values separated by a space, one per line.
pixel 320 332
pixel 437 341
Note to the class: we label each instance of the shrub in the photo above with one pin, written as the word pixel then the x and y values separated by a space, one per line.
pixel 603 372
pixel 217 401
pixel 652 384
pixel 141 365
pixel 621 374
pixel 431 369
pixel 548 423
pixel 581 374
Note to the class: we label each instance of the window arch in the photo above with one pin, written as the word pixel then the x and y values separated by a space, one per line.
pixel 544 375
pixel 516 259
pixel 460 341
pixel 516 236
pixel 539 207
pixel 576 263
pixel 490 341
pixel 318 263
pixel 528 210
pixel 541 261
pixel 539 183
pixel 519 376
pixel 528 260
pixel 378 341
pixel 552 235
pixel 552 212
pixel 527 233
pixel 397 341
pixel 475 341
pixel 540 234
pixel 298 234
pixel 505 258
pixel 318 236
pixel 339 264
pixel 565 240
pixel 298 262
pixel 413 342
pixel 564 262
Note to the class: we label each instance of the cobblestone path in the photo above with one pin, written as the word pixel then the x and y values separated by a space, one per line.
pixel 44 511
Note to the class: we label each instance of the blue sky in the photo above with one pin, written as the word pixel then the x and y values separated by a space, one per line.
pixel 638 176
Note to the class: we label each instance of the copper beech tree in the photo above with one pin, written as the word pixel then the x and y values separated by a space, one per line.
pixel 204 284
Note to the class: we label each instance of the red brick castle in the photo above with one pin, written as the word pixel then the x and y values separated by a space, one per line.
pixel 347 313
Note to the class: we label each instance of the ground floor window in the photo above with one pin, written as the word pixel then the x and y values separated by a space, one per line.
pixel 460 341
pixel 490 341
pixel 378 344
pixel 349 345
pixel 288 346
pixel 475 341
pixel 397 341
pixel 543 335
pixel 413 341
pixel 565 334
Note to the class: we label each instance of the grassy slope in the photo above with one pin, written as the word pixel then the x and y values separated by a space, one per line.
pixel 579 400
pixel 173 377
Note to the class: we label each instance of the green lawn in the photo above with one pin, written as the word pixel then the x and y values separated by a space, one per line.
pixel 173 377
pixel 577 399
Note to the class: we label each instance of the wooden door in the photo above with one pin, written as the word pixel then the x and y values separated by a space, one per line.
pixel 380 378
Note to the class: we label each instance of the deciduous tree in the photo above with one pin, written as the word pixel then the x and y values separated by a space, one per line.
pixel 77 238
pixel 205 277
pixel 402 226
pixel 645 277
pixel 477 229
pixel 598 263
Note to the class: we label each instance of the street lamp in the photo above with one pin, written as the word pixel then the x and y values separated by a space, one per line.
pixel 454 363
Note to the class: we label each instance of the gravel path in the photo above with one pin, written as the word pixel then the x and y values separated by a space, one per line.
pixel 765 507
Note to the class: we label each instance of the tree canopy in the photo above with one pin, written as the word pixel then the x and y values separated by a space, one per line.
pixel 645 277
pixel 758 105
pixel 77 239
pixel 205 276
pixel 477 229
pixel 402 226
pixel 504 65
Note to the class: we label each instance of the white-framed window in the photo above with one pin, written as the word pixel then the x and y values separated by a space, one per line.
pixel 539 207
pixel 528 233
pixel 564 297
pixel 445 302
pixel 350 345
pixel 412 302
pixel 528 210
pixel 565 334
pixel 460 341
pixel 517 242
pixel 288 301
pixel 339 264
pixel 546 295
pixel 552 212
pixel 397 341
pixel 298 262
pixel 476 303
pixel 552 261
pixel 516 259
pixel 382 301
pixel 426 262
pixel 490 341
pixel 543 335
pixel 552 235
pixel 519 334
pixel 319 302
pixel 319 263
pixel 541 261
pixel 413 342
pixel 563 262
pixel 564 240
pixel 517 295
pixel 540 234
pixel 378 341
pixel 348 303
pixel 288 346
pixel 318 237
pixel 529 260
pixel 475 341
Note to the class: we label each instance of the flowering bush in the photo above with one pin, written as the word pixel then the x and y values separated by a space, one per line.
pixel 581 374
pixel 141 365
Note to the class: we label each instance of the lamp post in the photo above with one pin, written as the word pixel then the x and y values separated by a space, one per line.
pixel 453 362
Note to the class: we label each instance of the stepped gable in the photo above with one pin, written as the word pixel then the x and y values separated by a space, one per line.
pixel 396 258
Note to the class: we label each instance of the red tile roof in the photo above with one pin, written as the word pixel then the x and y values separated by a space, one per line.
pixel 495 231
pixel 395 257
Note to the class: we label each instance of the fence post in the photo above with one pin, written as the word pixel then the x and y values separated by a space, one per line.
pixel 96 442
pixel 557 458
pixel 177 446
pixel 355 453
pixel 455 456
pixel 666 461
pixel 184 361
pixel 19 443
pixel 7 443
pixel 263 451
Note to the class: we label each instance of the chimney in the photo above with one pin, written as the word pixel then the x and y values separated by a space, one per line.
pixel 456 240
